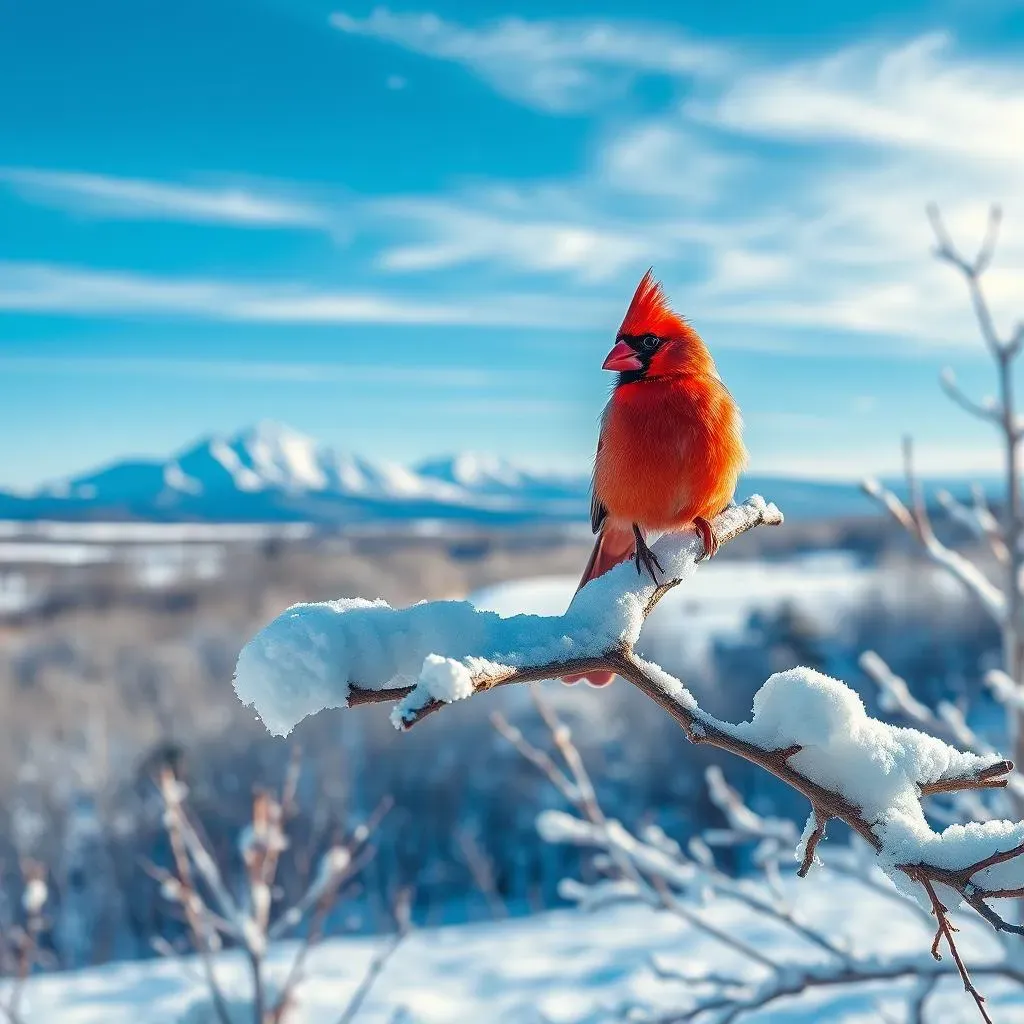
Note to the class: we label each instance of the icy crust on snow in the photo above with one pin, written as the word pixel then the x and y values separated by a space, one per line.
pixel 306 659
pixel 879 768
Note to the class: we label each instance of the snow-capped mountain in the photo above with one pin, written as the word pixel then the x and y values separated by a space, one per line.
pixel 271 473
pixel 488 474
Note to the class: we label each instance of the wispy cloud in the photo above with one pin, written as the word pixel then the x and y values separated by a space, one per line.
pixel 555 65
pixel 915 96
pixel 936 460
pixel 49 288
pixel 245 370
pixel 519 229
pixel 138 199
pixel 779 196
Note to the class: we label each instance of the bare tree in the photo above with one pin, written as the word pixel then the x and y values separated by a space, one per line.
pixel 1004 535
pixel 809 731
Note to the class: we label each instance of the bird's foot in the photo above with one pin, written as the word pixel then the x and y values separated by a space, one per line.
pixel 708 537
pixel 645 558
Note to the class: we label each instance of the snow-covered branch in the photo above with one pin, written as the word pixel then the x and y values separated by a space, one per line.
pixel 729 1003
pixel 945 721
pixel 810 731
pixel 339 654
pixel 649 867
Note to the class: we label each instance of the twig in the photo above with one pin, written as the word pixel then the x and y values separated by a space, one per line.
pixel 402 910
pixel 482 870
pixel 817 823
pixel 190 900
pixel 945 930
pixel 1004 351
pixel 730 1008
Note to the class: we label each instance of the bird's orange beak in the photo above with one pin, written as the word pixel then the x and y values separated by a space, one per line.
pixel 622 357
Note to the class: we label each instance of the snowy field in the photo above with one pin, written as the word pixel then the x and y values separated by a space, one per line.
pixel 571 967
pixel 564 967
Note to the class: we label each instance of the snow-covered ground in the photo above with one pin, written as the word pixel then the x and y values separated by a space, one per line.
pixel 42 530
pixel 569 967
pixel 559 967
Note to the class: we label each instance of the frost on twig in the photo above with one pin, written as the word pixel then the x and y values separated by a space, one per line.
pixel 978 518
pixel 21 940
pixel 808 730
pixel 213 914
pixel 913 517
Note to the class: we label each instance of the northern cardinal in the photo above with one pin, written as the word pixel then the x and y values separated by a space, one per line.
pixel 670 449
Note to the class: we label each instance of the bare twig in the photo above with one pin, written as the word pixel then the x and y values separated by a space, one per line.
pixel 944 930
pixel 986 410
pixel 731 1007
pixel 482 870
pixel 1008 547
pixel 262 845
pixel 21 946
pixel 915 520
pixel 816 823
pixel 202 931
pixel 978 518
pixel 402 912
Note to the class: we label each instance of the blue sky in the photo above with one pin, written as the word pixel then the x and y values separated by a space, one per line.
pixel 413 229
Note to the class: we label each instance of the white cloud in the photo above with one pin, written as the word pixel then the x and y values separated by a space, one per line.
pixel 915 123
pixel 931 460
pixel 49 288
pixel 918 96
pixel 238 370
pixel 555 65
pixel 782 196
pixel 525 231
pixel 668 160
pixel 137 199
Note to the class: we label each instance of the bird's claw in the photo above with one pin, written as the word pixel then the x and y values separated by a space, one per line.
pixel 708 537
pixel 645 557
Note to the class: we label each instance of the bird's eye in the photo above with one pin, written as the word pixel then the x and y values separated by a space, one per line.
pixel 649 342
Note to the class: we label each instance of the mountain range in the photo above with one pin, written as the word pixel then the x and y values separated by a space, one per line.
pixel 271 473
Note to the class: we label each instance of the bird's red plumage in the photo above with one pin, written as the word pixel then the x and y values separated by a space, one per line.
pixel 670 450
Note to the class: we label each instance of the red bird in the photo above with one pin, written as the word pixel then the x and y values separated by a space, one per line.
pixel 670 449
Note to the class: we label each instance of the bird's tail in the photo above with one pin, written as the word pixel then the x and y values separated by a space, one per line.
pixel 612 547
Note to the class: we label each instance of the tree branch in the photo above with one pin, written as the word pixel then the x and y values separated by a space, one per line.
pixel 731 1008
pixel 915 520
pixel 987 410
pixel 811 732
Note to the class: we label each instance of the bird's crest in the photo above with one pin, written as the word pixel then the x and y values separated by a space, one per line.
pixel 650 313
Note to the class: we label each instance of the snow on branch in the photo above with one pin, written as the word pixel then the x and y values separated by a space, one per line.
pixel 649 867
pixel 810 731
pixel 343 653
